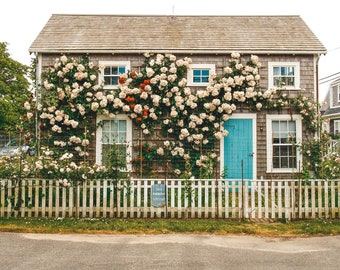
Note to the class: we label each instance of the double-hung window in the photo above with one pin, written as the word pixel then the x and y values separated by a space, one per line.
pixel 198 74
pixel 113 135
pixel 283 134
pixel 111 72
pixel 284 75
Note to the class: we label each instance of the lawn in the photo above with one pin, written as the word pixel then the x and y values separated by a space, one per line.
pixel 279 228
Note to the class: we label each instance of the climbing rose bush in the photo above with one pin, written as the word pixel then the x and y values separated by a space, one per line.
pixel 191 122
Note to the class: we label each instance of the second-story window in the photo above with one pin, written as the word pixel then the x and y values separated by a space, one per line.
pixel 111 72
pixel 199 74
pixel 284 75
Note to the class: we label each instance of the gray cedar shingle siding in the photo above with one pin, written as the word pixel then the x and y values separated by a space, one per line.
pixel 176 34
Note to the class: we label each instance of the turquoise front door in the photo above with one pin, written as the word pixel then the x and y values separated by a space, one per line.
pixel 238 149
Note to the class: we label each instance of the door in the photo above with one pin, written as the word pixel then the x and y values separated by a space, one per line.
pixel 238 149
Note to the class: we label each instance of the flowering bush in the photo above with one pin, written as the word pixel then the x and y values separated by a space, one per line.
pixel 71 97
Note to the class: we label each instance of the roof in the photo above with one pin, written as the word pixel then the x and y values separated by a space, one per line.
pixel 67 33
pixel 332 112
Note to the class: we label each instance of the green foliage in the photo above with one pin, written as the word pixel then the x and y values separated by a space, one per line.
pixel 116 163
pixel 14 90
pixel 320 161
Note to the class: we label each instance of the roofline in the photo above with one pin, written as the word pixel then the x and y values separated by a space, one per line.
pixel 330 115
pixel 170 15
pixel 208 51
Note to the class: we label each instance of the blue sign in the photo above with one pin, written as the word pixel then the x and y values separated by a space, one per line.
pixel 158 195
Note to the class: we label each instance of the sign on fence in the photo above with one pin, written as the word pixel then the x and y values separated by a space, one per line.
pixel 158 195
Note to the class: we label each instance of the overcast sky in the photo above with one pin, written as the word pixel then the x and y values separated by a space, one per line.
pixel 22 20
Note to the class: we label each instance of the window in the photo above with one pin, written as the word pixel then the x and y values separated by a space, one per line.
pixel 113 132
pixel 338 93
pixel 199 74
pixel 283 135
pixel 284 75
pixel 111 72
pixel 336 127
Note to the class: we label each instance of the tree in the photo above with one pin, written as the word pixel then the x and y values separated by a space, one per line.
pixel 14 90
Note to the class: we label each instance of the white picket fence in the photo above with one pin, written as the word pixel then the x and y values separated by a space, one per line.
pixel 206 198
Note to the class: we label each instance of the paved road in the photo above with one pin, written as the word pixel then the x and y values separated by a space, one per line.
pixel 47 251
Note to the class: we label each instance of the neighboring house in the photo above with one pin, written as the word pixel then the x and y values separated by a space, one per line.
pixel 286 47
pixel 331 108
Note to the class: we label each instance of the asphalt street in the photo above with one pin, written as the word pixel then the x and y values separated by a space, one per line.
pixel 170 251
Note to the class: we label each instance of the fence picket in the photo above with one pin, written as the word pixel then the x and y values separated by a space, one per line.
pixel 333 199
pixel 199 203
pixel 259 199
pixel 326 200
pixel 320 207
pixel 226 204
pixel 233 200
pixel 287 200
pixel 313 198
pixel 266 204
pixel 2 197
pixel 253 199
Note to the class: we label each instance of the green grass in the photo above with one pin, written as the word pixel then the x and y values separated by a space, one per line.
pixel 280 228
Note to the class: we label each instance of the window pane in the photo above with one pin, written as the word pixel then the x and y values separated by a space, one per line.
pixel 283 71
pixel 284 150
pixel 107 80
pixel 290 71
pixel 114 70
pixel 107 71
pixel 276 71
pixel 105 138
pixel 276 151
pixel 197 72
pixel 114 125
pixel 205 72
pixel 106 125
pixel 122 125
pixel 284 162
pixel 121 70
pixel 114 80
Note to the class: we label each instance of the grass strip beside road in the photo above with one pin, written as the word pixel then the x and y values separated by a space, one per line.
pixel 282 228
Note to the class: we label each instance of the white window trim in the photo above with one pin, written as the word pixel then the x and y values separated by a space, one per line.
pixel 298 120
pixel 108 64
pixel 338 93
pixel 190 79
pixel 296 65
pixel 99 138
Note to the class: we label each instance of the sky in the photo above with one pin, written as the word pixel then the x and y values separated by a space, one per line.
pixel 22 20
